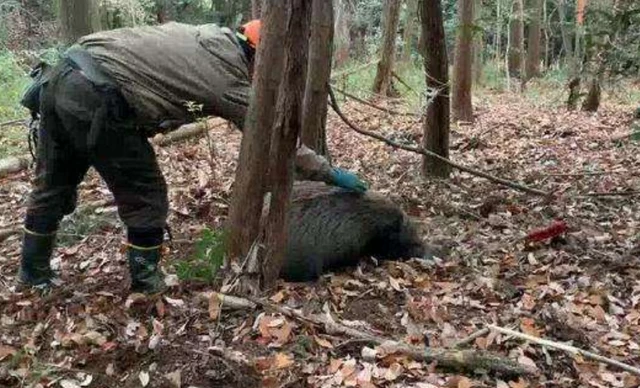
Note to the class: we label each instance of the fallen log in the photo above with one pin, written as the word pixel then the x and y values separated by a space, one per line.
pixel 470 361
pixel 15 164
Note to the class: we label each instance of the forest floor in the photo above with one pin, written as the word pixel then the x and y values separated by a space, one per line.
pixel 581 288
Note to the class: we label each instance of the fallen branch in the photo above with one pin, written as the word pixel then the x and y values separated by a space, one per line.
pixel 423 151
pixel 15 164
pixel 372 105
pixel 354 70
pixel 566 348
pixel 468 360
pixel 614 194
pixel 14 122
pixel 406 85
pixel 471 338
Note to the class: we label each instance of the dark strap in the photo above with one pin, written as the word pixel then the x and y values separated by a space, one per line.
pixel 91 69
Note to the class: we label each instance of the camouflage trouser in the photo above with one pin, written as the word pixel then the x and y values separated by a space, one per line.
pixel 84 127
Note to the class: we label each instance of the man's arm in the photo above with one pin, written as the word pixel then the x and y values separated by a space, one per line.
pixel 313 167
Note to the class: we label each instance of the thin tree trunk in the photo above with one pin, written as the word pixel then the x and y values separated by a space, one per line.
pixel 284 139
pixel 497 42
pixel 409 29
pixel 591 102
pixel 516 47
pixel 382 82
pixel 78 18
pixel 314 116
pixel 533 53
pixel 436 123
pixel 566 39
pixel 256 9
pixel 247 202
pixel 463 63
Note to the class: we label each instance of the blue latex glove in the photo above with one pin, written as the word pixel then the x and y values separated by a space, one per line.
pixel 347 180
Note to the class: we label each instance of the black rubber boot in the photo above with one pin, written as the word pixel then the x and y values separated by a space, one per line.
pixel 146 276
pixel 36 255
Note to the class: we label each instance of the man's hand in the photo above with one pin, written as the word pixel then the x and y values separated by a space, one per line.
pixel 347 180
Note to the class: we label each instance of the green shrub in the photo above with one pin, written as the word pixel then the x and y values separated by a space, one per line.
pixel 207 259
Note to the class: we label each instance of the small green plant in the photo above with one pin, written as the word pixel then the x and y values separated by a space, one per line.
pixel 206 260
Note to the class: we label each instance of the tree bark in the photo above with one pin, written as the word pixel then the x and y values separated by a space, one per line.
pixel 436 123
pixel 284 140
pixel 314 113
pixel 591 102
pixel 251 173
pixel 516 45
pixel 497 42
pixel 382 82
pixel 409 29
pixel 566 39
pixel 256 9
pixel 463 63
pixel 78 18
pixel 533 53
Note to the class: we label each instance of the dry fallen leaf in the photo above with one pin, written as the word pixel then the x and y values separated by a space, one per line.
pixel 323 342
pixel 6 351
pixel 282 360
pixel 393 372
pixel 144 378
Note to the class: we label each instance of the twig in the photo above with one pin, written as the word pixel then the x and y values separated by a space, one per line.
pixel 471 338
pixel 396 76
pixel 354 70
pixel 12 122
pixel 470 360
pixel 372 105
pixel 613 194
pixel 567 348
pixel 422 151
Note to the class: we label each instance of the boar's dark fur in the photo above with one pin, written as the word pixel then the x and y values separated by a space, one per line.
pixel 330 228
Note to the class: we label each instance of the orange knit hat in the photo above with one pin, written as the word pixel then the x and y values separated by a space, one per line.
pixel 251 30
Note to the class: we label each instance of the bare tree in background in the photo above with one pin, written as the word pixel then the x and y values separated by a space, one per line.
pixel 533 50
pixel 382 82
pixel 256 9
pixel 516 39
pixel 314 116
pixel 409 29
pixel 78 18
pixel 251 173
pixel 436 121
pixel 463 63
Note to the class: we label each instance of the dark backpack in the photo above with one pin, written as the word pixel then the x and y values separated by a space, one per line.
pixel 31 98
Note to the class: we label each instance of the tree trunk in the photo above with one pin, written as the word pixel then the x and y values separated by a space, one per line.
pixel 591 102
pixel 409 29
pixel 314 116
pixel 566 39
pixel 382 82
pixel 533 53
pixel 284 139
pixel 251 173
pixel 78 18
pixel 463 63
pixel 516 39
pixel 256 9
pixel 497 41
pixel 436 122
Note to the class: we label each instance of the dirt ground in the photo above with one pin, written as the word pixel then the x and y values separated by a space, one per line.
pixel 580 288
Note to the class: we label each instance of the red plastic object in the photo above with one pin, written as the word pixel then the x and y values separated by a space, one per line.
pixel 555 229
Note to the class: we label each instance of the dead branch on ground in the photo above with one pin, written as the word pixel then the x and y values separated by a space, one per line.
pixel 566 348
pixel 422 151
